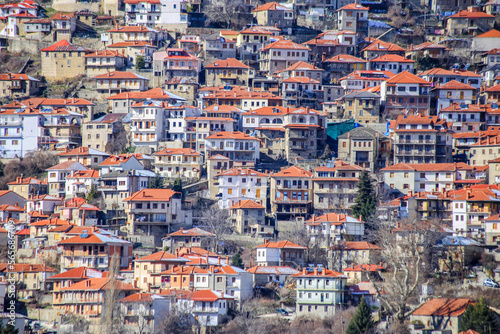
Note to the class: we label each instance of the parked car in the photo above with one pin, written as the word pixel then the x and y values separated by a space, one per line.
pixel 491 283
pixel 282 311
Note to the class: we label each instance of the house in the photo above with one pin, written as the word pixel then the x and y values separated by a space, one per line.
pixel 379 48
pixel 248 216
pixel 367 291
pixel 347 253
pixel 237 146
pixel 328 44
pixel 302 69
pixel 57 176
pixel 183 87
pixel 144 13
pixel 155 211
pixel 87 298
pixel 81 182
pixel 139 33
pixel 274 14
pixel 18 85
pixel 106 133
pixel 428 49
pixel 491 230
pixel 27 187
pixel 120 162
pixel 111 83
pixel 101 62
pixel 64 25
pixel 39 27
pixel 228 71
pixel 353 17
pixel 335 227
pixel 302 91
pixel 95 249
pixel 238 184
pixel 452 92
pixel 441 76
pixel 391 62
pixel 39 206
pixel 250 40
pixel 147 269
pixel 441 313
pixel 72 105
pixel 194 237
pixel 241 98
pixel 144 310
pixel 210 307
pixel 281 253
pixel 281 54
pixel 363 106
pixel 263 275
pixel 421 139
pixel 319 290
pixel 134 49
pixel 343 64
pixel 364 147
pixel 33 276
pixel 67 278
pixel 360 272
pixel 178 162
pixel 486 41
pixel 77 211
pixel 464 117
pixel 364 80
pixel 216 46
pixel 63 60
pixel 175 62
pixel 88 157
pixel 469 22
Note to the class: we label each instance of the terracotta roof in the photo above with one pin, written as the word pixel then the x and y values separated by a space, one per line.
pixel 241 172
pixel 470 15
pixel 11 208
pixel 302 65
pixel 98 284
pixel 428 45
pixel 63 16
pixel 354 6
pixel 246 204
pixel 302 80
pixel 443 307
pixel 407 77
pixel 364 268
pixel 75 273
pixel 357 245
pixel 379 45
pixel 454 84
pixel 131 29
pixel 157 195
pixel 105 54
pixel 293 171
pixel 66 165
pixel 28 180
pixel 333 218
pixel 117 160
pixel 278 110
pixel 81 151
pixel 161 256
pixel 94 174
pixel 157 2
pixel 281 244
pixel 428 167
pixel 25 268
pixel 231 135
pixel 184 270
pixel 391 58
pixel 64 46
pixel 139 297
pixel 195 231
pixel 15 76
pixel 275 270
pixel 25 231
pixel 470 331
pixel 271 6
pixel 440 71
pixel 208 296
pixel 131 43
pixel 50 222
pixel 285 44
pixel 120 75
pixel 177 151
pixel 319 273
pixel 227 63
pixel 344 58
pixel 153 94
pixel 255 31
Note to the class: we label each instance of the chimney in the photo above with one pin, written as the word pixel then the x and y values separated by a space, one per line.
pixel 304 271
pixel 218 260
pixel 181 229
pixel 266 241
pixel 134 283
pixel 360 218
pixel 323 271
pixel 315 271
pixel 149 287
pixel 17 204
pixel 410 193
pixel 468 194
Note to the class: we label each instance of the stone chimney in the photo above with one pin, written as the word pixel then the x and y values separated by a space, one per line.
pixel 315 271
pixel 304 271
pixel 323 271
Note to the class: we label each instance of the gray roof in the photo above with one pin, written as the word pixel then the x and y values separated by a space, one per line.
pixel 457 241
pixel 361 133
pixel 361 95
pixel 131 172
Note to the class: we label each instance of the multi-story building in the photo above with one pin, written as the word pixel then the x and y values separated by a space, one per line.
pixel 302 91
pixel 444 95
pixel 442 76
pixel 464 117
pixel 302 69
pixel 484 150
pixel 148 124
pixel 334 185
pixel 175 62
pixel 391 62
pixel 228 71
pixel 101 62
pixel 360 80
pixel 81 182
pixel 64 25
pixel 172 163
pixel 404 93
pixel 57 176
pixel 428 49
pixel 248 216
pixel 111 83
pixel 143 12
pixel 155 211
pixel 237 146
pixel 218 47
pixel 365 147
pixel 335 228
pixel 133 49
pixel 106 133
pixel 291 193
pixel 18 85
pixel 280 253
pixel 237 184
pixel 363 106
pixel 27 187
pixel 422 139
pixel 465 22
pixel 147 269
pixel 275 15
pixel 319 291
pixel 120 162
pixel 199 128
pixel 63 60
pixel 341 65
pixel 279 55
pixel 95 249
pixel 353 17
pixel 35 277
pixel 138 33
pixel 249 42
pixel 87 156
pixel 194 237
pixel 379 48
pixel 241 98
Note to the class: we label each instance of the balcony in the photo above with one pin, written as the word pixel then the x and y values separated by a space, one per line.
pixel 106 188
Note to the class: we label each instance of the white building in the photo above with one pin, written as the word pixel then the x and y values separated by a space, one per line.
pixel 146 311
pixel 280 253
pixel 236 146
pixel 453 92
pixel 148 124
pixel 238 184
pixel 57 174
pixel 336 226
pixel 81 182
pixel 230 280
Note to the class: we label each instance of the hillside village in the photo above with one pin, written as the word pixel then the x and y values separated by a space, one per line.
pixel 216 166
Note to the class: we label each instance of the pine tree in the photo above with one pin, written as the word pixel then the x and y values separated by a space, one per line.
pixel 177 185
pixel 140 63
pixel 365 201
pixel 237 261
pixel 362 321
pixel 8 329
pixel 477 317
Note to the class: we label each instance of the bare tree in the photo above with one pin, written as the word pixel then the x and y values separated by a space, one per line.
pixel 227 13
pixel 217 221
pixel 179 320
pixel 111 319
pixel 407 253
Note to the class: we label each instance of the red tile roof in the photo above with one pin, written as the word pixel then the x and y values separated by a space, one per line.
pixel 231 135
pixel 285 44
pixel 131 43
pixel 195 231
pixel 454 84
pixel 94 174
pixel 302 80
pixel 364 268
pixel 206 296
pixel 428 167
pixel 139 297
pixel 75 273
pixel 357 245
pixel 302 65
pixel 105 54
pixel 25 268
pixel 161 256
pixel 64 46
pixel 343 58
pixel 177 151
pixel 281 244
pixel 153 94
pixel 98 284
pixel 120 75
pixel 331 218
pixel 131 29
pixel 227 63
pixel 293 171
pixel 50 222
pixel 407 77
pixel 157 195
pixel 246 204
pixel 470 15
pixel 379 45
pixel 14 76
pixel 391 58
pixel 65 165
pixel 241 172
pixel 443 307
pixel 271 6
pixel 354 6
pixel 319 273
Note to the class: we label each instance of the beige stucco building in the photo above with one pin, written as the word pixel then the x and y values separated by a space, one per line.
pixel 63 60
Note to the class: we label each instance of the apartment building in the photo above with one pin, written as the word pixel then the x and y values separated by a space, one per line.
pixel 147 269
pixel 484 150
pixel 63 60
pixel 279 55
pixel 95 249
pixel 228 71
pixel 291 193
pixel 464 117
pixel 106 133
pixel 238 184
pixel 391 62
pixel 240 97
pixel 120 162
pixel 353 17
pixel 442 96
pixel 101 62
pixel 249 217
pixel 172 163
pixel 335 228
pixel 57 176
pixel 421 139
pixel 334 185
pixel 250 40
pixel 465 22
pixel 319 291
pixel 199 128
pixel 148 124
pixel 237 146
pixel 175 62
pixel 81 182
pixel 87 156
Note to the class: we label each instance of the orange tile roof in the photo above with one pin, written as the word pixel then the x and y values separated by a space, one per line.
pixel 75 273
pixel 50 222
pixel 161 256
pixel 246 204
pixel 195 231
pixel 302 65
pixel 255 31
pixel 90 240
pixel 130 29
pixel 98 284
pixel 65 165
pixel 177 151
pixel 153 94
pixel 364 268
pixel 440 71
pixel 454 84
pixel 302 80
pixel 139 297
pixel 476 193
pixel 227 63
pixel 105 54
pixel 120 75
pixel 116 160
pixel 206 296
pixel 344 58
pixel 231 135
pixel 84 174
pixel 271 6
pixel 354 6
pixel 281 244
pixel 357 245
pixel 241 172
pixel 391 58
pixel 157 195
pixel 285 44
pixel 28 180
pixel 14 76
pixel 331 218
pixel 443 307
pixel 379 45
pixel 25 268
pixel 407 77
pixel 131 43
pixel 319 273
pixel 63 16
pixel 64 46
pixel 184 270
pixel 470 331
pixel 470 15
pixel 293 171
pixel 11 208
pixel 428 167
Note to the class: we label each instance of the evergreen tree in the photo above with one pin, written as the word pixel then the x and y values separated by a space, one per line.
pixel 140 63
pixel 237 261
pixel 156 182
pixel 327 153
pixel 366 200
pixel 8 329
pixel 477 317
pixel 177 185
pixel 362 321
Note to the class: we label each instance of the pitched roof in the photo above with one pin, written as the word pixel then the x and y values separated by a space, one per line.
pixel 333 218
pixel 98 284
pixel 153 94
pixel 361 133
pixel 140 296
pixel 242 172
pixel 68 165
pixel 76 273
pixel 50 222
pixel 364 268
pixel 157 195
pixel 105 54
pixel 354 6
pixel 470 15
pixel 428 45
pixel 246 204
pixel 285 44
pixel 293 171
pixel 320 273
pixel 25 268
pixel 227 63
pixel 273 270
pixel 120 75
pixel 177 151
pixel 454 84
pixel 392 58
pixel 302 65
pixel 428 167
pixel 271 6
pixel 281 244
pixel 161 256
pixel 443 307
pixel 195 231
pixel 407 77
pixel 379 45
pixel 231 135
pixel 64 46
pixel 131 29
pixel 302 80
pixel 81 151
pixel 357 245
pixel 208 296
pixel 344 58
